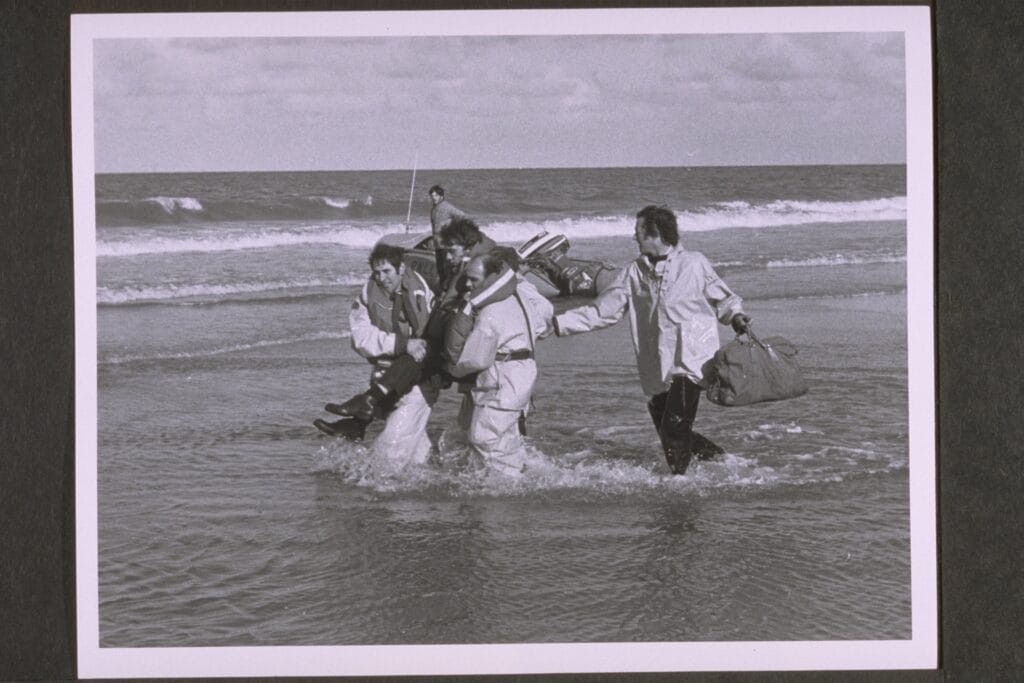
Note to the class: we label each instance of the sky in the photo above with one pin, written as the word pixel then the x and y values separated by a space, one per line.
pixel 350 103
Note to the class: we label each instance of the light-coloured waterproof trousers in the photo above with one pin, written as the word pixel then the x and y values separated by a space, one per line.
pixel 493 434
pixel 404 439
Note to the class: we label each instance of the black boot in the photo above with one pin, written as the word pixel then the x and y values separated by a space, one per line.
pixel 347 428
pixel 704 448
pixel 361 406
pixel 678 460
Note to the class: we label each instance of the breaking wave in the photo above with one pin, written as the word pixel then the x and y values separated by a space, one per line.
pixel 363 235
pixel 221 350
pixel 717 216
pixel 838 260
pixel 108 296
pixel 792 212
pixel 172 204
pixel 234 240
pixel 170 210
pixel 161 210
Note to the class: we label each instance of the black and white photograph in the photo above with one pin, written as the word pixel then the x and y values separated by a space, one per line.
pixel 523 341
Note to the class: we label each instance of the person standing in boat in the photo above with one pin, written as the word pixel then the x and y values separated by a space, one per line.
pixel 442 212
pixel 505 316
pixel 675 301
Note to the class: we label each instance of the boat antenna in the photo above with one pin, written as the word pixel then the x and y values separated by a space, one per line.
pixel 412 188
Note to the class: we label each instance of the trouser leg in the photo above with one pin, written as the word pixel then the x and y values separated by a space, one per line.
pixel 403 374
pixel 494 435
pixel 673 413
pixel 404 437
pixel 656 407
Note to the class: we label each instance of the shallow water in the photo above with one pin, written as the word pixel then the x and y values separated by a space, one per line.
pixel 226 519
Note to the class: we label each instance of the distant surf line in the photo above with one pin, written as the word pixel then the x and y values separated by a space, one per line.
pixel 234 348
pixel 128 295
pixel 719 216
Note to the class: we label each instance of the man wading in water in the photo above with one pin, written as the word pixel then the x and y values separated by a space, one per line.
pixel 675 301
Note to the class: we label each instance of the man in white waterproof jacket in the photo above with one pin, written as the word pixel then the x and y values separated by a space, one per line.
pixel 675 301
pixel 386 320
pixel 508 315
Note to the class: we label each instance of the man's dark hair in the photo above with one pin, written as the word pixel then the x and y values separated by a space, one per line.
pixel 436 188
pixel 462 231
pixel 386 252
pixel 660 221
pixel 498 257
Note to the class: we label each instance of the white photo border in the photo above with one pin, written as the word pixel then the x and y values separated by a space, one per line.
pixel 919 652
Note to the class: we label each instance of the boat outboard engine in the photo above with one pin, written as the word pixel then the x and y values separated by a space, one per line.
pixel 547 255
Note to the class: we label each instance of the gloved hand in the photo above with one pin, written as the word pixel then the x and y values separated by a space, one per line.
pixel 740 323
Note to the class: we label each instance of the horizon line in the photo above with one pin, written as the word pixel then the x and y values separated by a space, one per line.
pixel 495 168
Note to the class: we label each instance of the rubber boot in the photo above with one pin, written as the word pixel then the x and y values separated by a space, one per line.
pixel 348 428
pixel 679 453
pixel 361 406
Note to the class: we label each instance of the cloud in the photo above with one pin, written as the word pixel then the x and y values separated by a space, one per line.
pixel 527 95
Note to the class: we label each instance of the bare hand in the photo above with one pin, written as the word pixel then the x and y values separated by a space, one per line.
pixel 417 348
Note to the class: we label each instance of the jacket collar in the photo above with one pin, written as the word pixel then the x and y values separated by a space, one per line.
pixel 646 265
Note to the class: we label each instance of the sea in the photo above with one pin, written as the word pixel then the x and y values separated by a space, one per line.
pixel 226 518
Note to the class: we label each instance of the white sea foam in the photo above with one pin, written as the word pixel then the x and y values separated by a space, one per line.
pixel 576 473
pixel 125 295
pixel 336 203
pixel 515 232
pixel 791 212
pixel 838 260
pixel 714 217
pixel 170 204
pixel 234 348
pixel 362 237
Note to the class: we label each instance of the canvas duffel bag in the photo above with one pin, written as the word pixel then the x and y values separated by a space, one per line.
pixel 753 371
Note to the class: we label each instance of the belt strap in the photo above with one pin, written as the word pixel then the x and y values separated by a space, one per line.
pixel 518 354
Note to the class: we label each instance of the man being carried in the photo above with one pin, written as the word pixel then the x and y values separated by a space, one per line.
pixel 508 315
pixel 463 241
pixel 675 301
pixel 386 320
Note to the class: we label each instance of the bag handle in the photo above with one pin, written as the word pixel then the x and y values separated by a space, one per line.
pixel 752 338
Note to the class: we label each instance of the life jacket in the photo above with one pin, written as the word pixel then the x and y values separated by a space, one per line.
pixel 407 313
pixel 494 288
pixel 455 283
pixel 379 306
pixel 451 292
pixel 416 296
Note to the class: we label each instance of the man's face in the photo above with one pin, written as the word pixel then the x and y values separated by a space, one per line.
pixel 649 245
pixel 475 274
pixel 435 198
pixel 454 253
pixel 387 276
